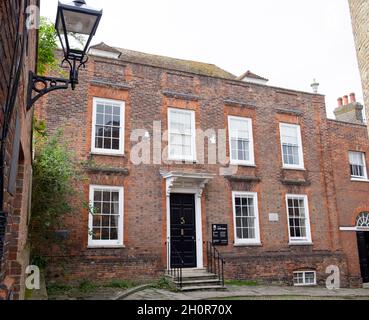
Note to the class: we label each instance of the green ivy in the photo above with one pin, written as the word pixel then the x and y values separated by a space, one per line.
pixel 55 173
pixel 47 44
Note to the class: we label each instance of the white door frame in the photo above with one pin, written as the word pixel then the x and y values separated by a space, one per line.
pixel 198 223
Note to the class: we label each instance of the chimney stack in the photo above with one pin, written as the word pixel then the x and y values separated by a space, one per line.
pixel 345 100
pixel 349 111
pixel 352 98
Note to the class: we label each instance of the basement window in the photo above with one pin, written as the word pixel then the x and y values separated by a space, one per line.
pixel 304 278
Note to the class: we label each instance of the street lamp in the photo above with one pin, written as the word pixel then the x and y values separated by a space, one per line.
pixel 76 24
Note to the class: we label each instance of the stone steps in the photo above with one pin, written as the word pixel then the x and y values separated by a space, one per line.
pixel 197 279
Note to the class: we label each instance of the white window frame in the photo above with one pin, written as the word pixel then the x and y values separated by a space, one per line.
pixel 256 240
pixel 301 165
pixel 103 151
pixel 251 162
pixel 299 240
pixel 192 157
pixel 107 243
pixel 359 178
pixel 304 278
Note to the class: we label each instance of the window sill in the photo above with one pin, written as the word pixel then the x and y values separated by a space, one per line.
pixel 301 243
pixel 122 155
pixel 242 164
pixel 256 244
pixel 360 180
pixel 106 247
pixel 294 168
pixel 188 161
pixel 305 285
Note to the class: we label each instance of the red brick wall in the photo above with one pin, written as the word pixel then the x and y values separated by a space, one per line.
pixel 16 206
pixel 144 89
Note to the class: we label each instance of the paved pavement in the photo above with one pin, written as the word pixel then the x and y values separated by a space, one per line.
pixel 257 292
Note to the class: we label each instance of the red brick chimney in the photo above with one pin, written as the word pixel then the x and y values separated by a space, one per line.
pixel 345 100
pixel 340 102
pixel 352 98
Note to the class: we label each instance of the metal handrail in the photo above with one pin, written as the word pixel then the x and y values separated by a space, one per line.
pixel 2 232
pixel 215 262
pixel 177 272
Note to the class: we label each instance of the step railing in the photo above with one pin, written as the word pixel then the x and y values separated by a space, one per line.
pixel 2 232
pixel 175 272
pixel 215 262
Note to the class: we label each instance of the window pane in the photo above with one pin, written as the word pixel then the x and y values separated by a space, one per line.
pixel 100 119
pixel 105 234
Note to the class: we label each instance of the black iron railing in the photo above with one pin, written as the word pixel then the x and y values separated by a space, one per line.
pixel 175 272
pixel 215 262
pixel 2 232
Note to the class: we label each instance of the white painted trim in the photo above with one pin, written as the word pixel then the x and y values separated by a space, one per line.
pixel 303 241
pixel 251 162
pixel 359 178
pixel 102 53
pixel 103 151
pixel 198 220
pixel 256 240
pixel 356 229
pixel 193 156
pixel 301 166
pixel 110 243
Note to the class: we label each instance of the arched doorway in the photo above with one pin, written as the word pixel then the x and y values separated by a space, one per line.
pixel 362 226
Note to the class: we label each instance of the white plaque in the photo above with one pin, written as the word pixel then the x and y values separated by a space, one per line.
pixel 273 217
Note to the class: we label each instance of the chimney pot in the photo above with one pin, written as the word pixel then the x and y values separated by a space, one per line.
pixel 352 98
pixel 340 102
pixel 345 100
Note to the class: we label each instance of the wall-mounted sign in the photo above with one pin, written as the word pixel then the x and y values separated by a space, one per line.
pixel 273 217
pixel 220 234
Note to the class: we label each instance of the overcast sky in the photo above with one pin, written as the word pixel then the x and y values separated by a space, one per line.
pixel 289 42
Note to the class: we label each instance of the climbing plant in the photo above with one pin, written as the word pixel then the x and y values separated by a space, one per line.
pixel 47 44
pixel 55 173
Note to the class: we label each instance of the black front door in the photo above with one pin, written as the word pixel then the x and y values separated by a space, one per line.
pixel 182 230
pixel 363 245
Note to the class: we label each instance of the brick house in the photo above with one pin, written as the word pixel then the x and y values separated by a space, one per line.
pixel 17 57
pixel 289 184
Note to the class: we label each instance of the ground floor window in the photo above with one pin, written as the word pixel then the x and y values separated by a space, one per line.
pixel 298 218
pixel 304 278
pixel 106 216
pixel 246 218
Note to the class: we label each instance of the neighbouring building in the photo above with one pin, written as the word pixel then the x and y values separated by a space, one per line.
pixel 360 15
pixel 17 57
pixel 288 184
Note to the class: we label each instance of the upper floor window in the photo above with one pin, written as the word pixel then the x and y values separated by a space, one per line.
pixel 357 165
pixel 106 218
pixel 181 134
pixel 298 218
pixel 241 141
pixel 292 153
pixel 246 218
pixel 108 126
